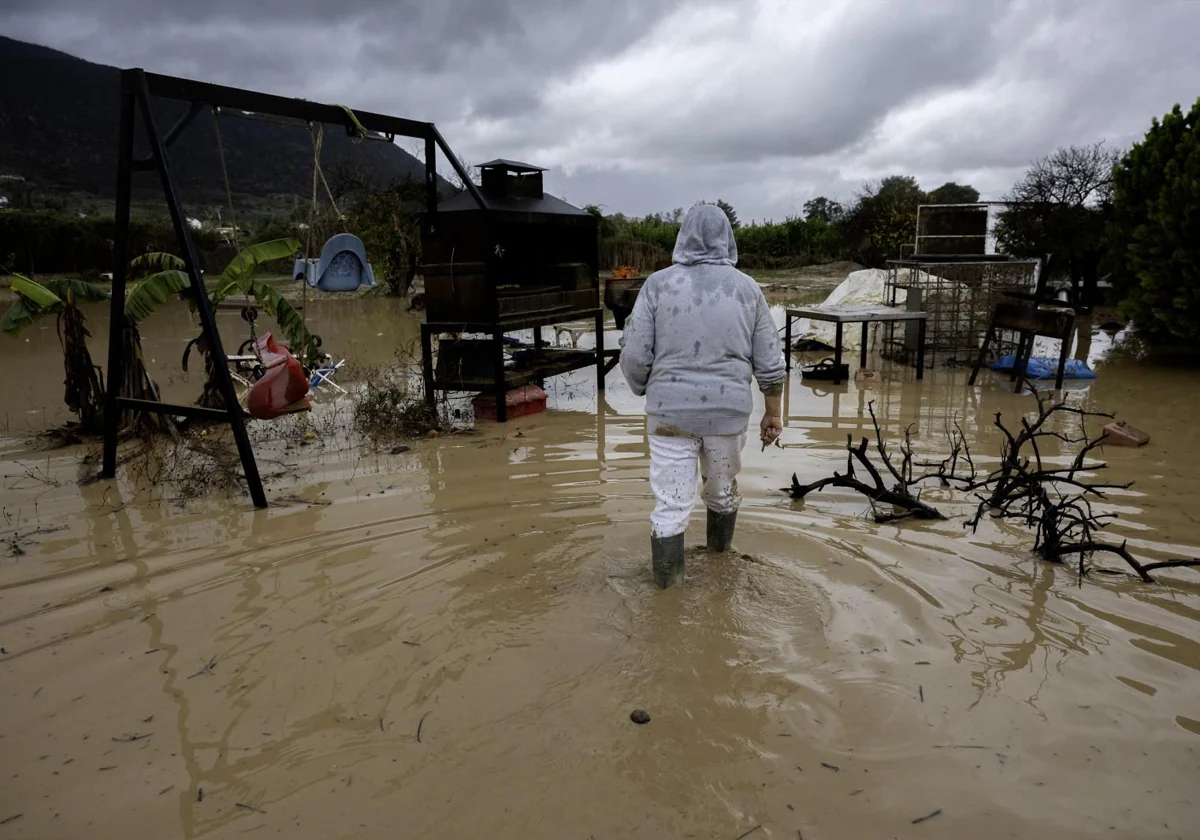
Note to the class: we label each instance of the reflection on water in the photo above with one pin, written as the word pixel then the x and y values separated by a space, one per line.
pixel 208 670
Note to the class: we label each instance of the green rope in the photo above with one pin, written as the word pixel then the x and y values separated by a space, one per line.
pixel 356 127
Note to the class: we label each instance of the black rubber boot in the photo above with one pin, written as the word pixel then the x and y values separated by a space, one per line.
pixel 666 554
pixel 720 530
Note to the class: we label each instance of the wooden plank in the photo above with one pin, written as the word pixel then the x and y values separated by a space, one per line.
pixel 516 323
pixel 1029 318
pixel 514 378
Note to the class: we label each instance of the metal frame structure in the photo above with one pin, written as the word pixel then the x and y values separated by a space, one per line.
pixel 137 90
pixel 959 293
pixel 922 238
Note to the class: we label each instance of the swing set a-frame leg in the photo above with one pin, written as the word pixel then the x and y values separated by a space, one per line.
pixel 135 93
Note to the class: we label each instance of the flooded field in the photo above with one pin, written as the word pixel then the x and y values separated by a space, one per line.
pixel 448 641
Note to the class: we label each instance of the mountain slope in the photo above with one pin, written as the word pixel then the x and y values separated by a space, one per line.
pixel 58 129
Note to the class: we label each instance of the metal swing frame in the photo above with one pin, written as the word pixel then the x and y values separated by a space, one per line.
pixel 137 89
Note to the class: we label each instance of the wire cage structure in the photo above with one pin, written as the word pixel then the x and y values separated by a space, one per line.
pixel 959 293
pixel 950 273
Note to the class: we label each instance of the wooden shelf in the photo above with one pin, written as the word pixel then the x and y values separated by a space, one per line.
pixel 518 322
pixel 546 364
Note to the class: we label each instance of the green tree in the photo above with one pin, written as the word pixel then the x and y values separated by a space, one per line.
pixel 883 220
pixel 730 212
pixel 1058 212
pixel 952 193
pixel 1154 235
pixel 823 209
pixel 606 225
pixel 387 221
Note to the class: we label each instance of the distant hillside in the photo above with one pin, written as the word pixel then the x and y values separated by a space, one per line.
pixel 58 129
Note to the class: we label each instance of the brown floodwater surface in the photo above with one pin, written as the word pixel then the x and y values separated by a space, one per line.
pixel 448 641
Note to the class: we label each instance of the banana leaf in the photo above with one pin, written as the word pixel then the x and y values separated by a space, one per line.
pixel 290 321
pixel 32 302
pixel 147 295
pixel 156 261
pixel 35 293
pixel 237 275
pixel 19 316
pixel 73 290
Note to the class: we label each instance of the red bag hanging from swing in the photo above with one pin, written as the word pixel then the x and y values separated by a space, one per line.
pixel 283 388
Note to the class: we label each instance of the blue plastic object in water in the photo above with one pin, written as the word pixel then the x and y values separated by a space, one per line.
pixel 343 266
pixel 1044 367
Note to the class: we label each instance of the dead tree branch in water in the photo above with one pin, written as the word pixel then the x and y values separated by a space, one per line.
pixel 1055 502
pixel 899 495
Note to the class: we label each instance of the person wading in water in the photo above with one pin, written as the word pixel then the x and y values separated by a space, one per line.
pixel 699 332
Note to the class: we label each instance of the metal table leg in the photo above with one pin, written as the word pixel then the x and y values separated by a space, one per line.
pixel 862 353
pixel 787 341
pixel 837 356
pixel 1064 353
pixel 500 386
pixel 538 344
pixel 600 368
pixel 427 364
pixel 921 349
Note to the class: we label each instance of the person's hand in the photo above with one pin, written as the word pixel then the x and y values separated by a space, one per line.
pixel 770 428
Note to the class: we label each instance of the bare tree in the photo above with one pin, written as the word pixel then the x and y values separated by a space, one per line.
pixel 1058 211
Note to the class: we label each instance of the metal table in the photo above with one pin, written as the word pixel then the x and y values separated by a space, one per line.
pixel 865 315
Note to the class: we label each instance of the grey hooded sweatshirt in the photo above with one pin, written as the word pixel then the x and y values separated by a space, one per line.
pixel 697 333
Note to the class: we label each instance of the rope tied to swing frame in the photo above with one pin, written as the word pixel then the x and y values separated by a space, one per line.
pixel 355 129
pixel 249 315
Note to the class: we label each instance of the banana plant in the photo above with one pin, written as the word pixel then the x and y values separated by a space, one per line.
pixel 169 278
pixel 83 380
pixel 238 278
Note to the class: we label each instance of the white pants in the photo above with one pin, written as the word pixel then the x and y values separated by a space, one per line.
pixel 673 462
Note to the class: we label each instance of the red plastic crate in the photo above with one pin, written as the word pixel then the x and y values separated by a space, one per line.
pixel 528 399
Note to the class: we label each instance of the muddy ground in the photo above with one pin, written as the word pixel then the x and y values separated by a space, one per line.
pixel 448 641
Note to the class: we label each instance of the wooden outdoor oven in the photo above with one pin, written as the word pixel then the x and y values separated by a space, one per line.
pixel 514 260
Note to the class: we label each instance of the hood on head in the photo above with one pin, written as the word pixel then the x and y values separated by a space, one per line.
pixel 705 237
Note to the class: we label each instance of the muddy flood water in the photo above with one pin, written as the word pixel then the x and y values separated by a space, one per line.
pixel 448 641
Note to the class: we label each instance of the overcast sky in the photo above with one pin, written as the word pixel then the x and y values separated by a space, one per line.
pixel 645 105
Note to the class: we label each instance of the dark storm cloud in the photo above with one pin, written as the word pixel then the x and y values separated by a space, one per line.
pixel 645 106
